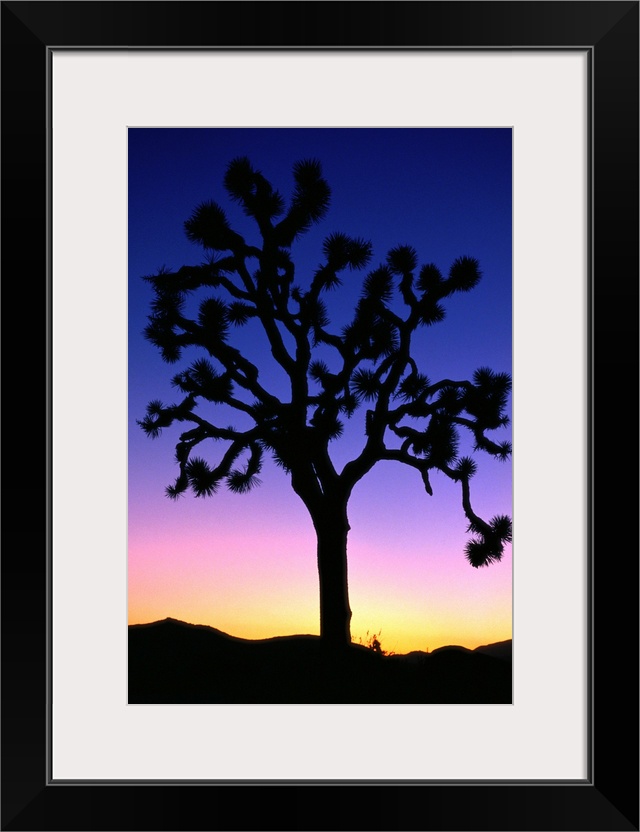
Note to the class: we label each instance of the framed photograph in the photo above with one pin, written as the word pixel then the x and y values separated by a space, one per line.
pixel 469 159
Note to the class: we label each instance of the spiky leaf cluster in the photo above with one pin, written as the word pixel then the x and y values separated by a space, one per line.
pixel 402 260
pixel 464 274
pixel 439 442
pixel 487 399
pixel 242 480
pixel 208 225
pixel 378 286
pixel 365 384
pixel 487 546
pixel 252 191
pixel 342 251
pixel 202 379
pixel 371 334
pixel 309 202
pixel 239 313
pixel 156 418
pixel 413 387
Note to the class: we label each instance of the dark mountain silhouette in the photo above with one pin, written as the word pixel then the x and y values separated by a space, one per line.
pixel 501 650
pixel 448 647
pixel 173 662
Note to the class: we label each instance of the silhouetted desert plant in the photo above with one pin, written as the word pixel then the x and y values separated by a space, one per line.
pixel 409 419
pixel 372 642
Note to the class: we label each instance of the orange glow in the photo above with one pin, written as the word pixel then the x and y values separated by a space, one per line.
pixel 252 595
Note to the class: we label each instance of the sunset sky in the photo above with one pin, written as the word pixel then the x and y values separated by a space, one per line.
pixel 246 564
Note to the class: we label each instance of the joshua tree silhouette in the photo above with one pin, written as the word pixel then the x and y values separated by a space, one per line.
pixel 409 419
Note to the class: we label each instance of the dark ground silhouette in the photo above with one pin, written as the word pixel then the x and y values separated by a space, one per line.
pixel 172 662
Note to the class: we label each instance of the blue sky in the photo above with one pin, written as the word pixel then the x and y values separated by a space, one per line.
pixel 447 193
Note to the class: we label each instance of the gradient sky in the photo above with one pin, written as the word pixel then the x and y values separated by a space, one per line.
pixel 246 564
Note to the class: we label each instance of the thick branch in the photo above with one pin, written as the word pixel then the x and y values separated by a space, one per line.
pixel 214 432
pixel 477 522
pixel 419 406
pixel 421 465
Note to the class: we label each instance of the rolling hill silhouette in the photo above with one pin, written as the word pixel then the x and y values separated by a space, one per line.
pixel 172 662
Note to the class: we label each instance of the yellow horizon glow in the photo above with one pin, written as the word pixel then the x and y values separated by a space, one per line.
pixel 398 633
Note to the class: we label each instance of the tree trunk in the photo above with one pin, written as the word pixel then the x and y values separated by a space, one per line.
pixel 332 528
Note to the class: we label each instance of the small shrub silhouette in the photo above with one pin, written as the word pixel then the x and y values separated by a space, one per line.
pixel 372 642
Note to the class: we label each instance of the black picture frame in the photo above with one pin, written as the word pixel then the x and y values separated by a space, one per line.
pixel 608 799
